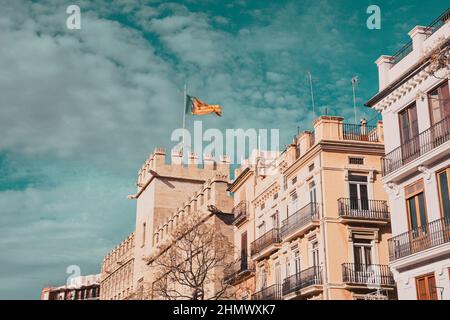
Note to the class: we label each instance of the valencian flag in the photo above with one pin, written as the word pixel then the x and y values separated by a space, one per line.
pixel 198 107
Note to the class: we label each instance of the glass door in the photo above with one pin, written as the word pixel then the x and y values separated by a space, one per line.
pixel 359 197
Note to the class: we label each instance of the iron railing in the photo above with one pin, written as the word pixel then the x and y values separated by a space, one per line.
pixel 373 274
pixel 240 212
pixel 432 28
pixel 359 132
pixel 239 267
pixel 426 141
pixel 299 219
pixel 266 240
pixel 363 209
pixel 424 237
pixel 270 293
pixel 308 277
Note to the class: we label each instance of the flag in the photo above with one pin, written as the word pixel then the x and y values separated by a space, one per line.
pixel 198 107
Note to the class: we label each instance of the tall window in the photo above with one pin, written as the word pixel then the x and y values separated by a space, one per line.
pixel 409 127
pixel 275 220
pixel 426 287
pixel 439 103
pixel 359 197
pixel 244 252
pixel 277 273
pixel 261 229
pixel 143 233
pixel 312 192
pixel 362 253
pixel 297 261
pixel 415 205
pixel 444 194
pixel 315 254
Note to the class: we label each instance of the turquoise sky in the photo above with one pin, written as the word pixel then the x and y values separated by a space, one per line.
pixel 81 110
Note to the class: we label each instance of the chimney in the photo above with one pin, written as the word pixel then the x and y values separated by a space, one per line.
pixel 177 157
pixel 418 35
pixel 384 64
pixel 208 161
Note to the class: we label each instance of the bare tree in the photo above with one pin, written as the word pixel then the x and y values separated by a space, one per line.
pixel 191 265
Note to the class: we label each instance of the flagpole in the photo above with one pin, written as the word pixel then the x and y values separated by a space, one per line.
pixel 184 115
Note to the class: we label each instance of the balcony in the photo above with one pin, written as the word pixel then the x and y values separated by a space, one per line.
pixel 359 132
pixel 239 271
pixel 351 209
pixel 264 244
pixel 425 237
pixel 240 212
pixel 302 280
pixel 371 275
pixel 412 149
pixel 301 221
pixel 270 293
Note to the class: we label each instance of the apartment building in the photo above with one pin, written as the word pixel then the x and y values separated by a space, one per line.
pixel 117 271
pixel 313 221
pixel 414 100
pixel 77 288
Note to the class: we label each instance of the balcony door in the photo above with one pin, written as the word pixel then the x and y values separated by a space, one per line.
pixel 359 197
pixel 409 129
pixel 426 287
pixel 417 214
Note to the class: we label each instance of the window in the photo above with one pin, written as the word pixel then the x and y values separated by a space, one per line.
pixel 359 197
pixel 312 192
pixel 244 252
pixel 356 160
pixel 296 261
pixel 275 220
pixel 315 254
pixel 284 183
pixel 409 127
pixel 362 253
pixel 263 279
pixel 294 180
pixel 415 205
pixel 311 167
pixel 143 233
pixel 439 103
pixel 277 273
pixel 263 205
pixel 261 229
pixel 275 196
pixel 444 193
pixel 426 287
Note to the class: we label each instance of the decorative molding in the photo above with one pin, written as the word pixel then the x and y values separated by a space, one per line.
pixel 426 172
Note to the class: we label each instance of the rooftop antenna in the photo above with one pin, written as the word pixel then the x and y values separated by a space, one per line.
pixel 355 81
pixel 310 79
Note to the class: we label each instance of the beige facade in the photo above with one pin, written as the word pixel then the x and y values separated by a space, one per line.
pixel 165 187
pixel 212 193
pixel 313 222
pixel 117 271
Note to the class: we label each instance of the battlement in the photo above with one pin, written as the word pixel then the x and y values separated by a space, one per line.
pixel 120 253
pixel 158 164
pixel 212 192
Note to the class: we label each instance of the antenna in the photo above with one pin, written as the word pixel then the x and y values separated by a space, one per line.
pixel 312 91
pixel 355 82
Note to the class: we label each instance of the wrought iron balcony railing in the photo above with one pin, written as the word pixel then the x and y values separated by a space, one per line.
pixel 303 279
pixel 433 27
pixel 299 219
pixel 237 269
pixel 421 144
pixel 240 212
pixel 424 237
pixel 373 274
pixel 270 293
pixel 359 132
pixel 363 209
pixel 269 238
